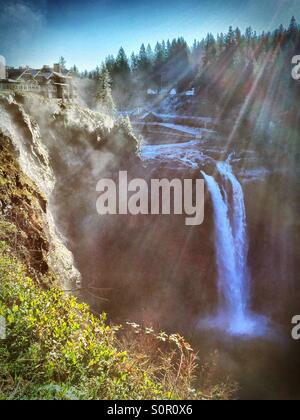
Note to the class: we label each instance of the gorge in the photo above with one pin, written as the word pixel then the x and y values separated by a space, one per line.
pixel 152 269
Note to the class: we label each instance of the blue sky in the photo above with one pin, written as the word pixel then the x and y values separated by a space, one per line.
pixel 37 32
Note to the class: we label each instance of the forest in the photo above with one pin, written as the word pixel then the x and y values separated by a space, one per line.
pixel 226 66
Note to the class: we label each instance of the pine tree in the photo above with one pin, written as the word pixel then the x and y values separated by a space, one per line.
pixel 238 36
pixel 248 35
pixel 158 65
pixel 104 94
pixel 210 49
pixel 230 38
pixel 97 72
pixel 62 62
pixel 278 36
pixel 134 62
pixel 75 70
pixel 164 48
pixel 168 49
pixel 144 68
pixel 159 56
pixel 149 53
pixel 143 62
pixel 293 25
pixel 220 42
pixel 110 63
pixel 122 68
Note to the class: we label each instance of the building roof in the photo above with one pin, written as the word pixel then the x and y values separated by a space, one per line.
pixel 15 73
pixel 62 75
pixel 32 72
pixel 44 73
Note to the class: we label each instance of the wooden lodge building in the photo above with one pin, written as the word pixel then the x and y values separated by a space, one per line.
pixel 49 82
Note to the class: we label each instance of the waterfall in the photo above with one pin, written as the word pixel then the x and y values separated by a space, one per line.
pixel 231 242
pixel 239 228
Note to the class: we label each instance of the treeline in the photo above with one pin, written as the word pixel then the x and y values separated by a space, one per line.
pixel 174 64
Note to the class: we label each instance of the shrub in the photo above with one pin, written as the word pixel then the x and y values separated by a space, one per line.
pixel 56 349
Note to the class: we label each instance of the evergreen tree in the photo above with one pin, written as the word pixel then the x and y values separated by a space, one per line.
pixel 149 53
pixel 230 39
pixel 62 62
pixel 143 62
pixel 104 94
pixel 122 65
pixel 278 36
pixel 158 65
pixel 110 63
pixel 293 32
pixel 293 25
pixel 210 49
pixel 220 42
pixel 134 62
pixel 178 65
pixel 144 68
pixel 164 48
pixel 248 37
pixel 168 49
pixel 75 70
pixel 97 73
pixel 121 79
pixel 238 36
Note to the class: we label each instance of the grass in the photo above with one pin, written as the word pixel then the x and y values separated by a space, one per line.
pixel 56 349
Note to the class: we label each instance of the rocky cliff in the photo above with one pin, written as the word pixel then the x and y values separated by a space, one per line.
pixel 37 155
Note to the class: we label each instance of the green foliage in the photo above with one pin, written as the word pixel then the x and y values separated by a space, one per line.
pixel 227 58
pixel 7 230
pixel 56 349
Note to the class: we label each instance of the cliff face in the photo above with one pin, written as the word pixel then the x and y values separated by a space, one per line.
pixel 46 150
pixel 26 183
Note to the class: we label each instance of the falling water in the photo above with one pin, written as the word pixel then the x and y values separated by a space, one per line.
pixel 232 251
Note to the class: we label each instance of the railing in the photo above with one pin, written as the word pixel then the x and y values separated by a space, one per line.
pixel 19 87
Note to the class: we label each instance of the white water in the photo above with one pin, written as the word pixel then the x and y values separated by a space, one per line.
pixel 231 242
pixel 187 153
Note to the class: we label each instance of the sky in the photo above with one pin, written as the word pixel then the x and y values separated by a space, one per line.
pixel 38 32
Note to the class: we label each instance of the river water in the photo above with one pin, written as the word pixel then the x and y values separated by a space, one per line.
pixel 252 348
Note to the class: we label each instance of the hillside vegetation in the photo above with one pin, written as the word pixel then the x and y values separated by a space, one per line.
pixel 56 349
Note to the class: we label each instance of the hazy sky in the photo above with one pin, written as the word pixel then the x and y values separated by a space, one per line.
pixel 37 32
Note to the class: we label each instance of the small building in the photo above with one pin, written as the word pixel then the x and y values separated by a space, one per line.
pixel 152 92
pixel 190 92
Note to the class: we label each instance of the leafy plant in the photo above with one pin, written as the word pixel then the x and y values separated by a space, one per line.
pixel 56 349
